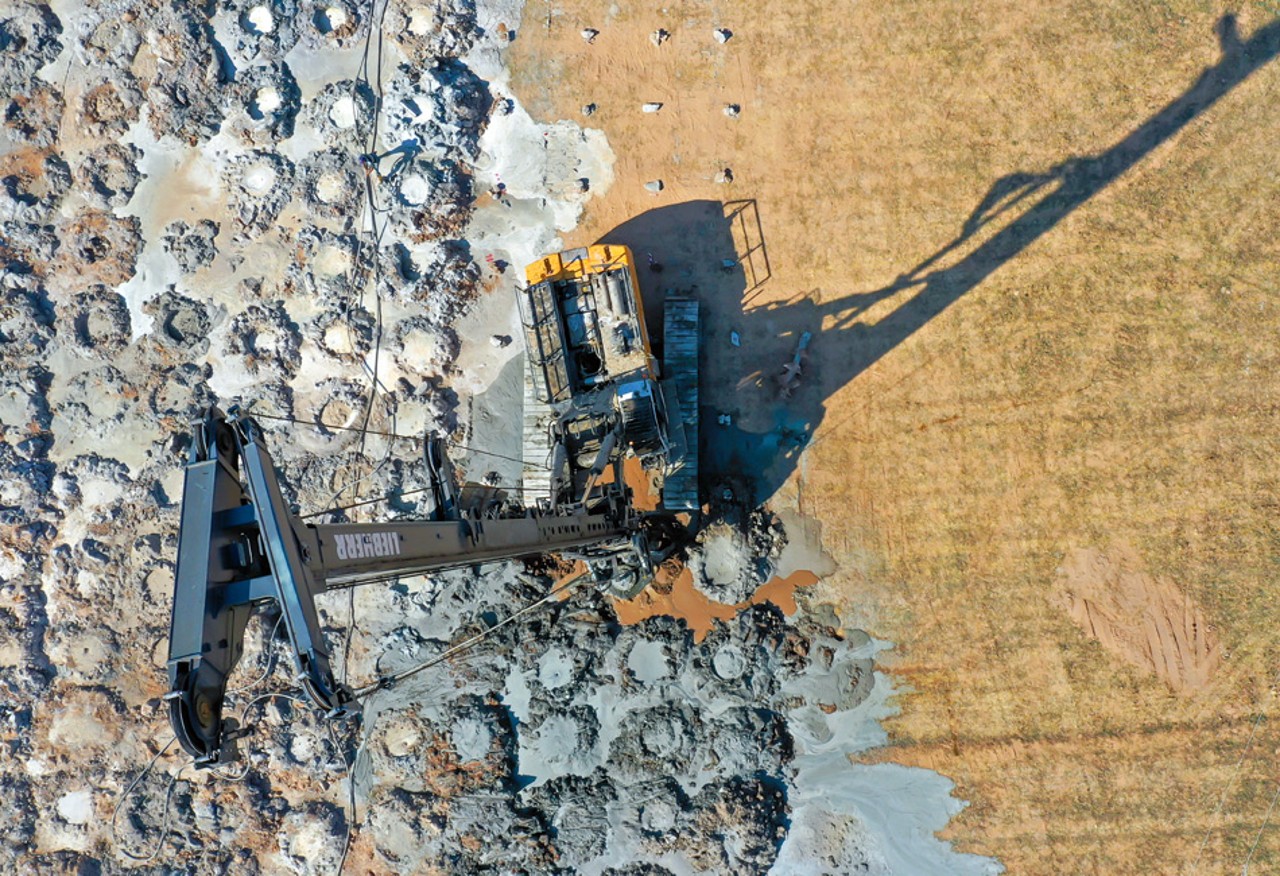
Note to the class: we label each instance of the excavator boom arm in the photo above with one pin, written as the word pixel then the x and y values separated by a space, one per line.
pixel 240 546
pixel 356 553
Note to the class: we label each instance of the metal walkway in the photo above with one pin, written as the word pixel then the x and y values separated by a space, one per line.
pixel 535 476
pixel 680 368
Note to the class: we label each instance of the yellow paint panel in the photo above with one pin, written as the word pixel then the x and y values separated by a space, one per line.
pixel 600 257
pixel 545 268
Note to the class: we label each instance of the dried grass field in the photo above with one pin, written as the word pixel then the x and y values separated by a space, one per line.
pixel 1036 247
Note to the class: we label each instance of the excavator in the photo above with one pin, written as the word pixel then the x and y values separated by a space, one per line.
pixel 594 386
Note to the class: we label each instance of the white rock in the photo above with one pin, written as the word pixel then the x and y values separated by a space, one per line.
pixel 648 662
pixel 414 190
pixel 303 747
pixel 334 17
pixel 722 35
pixel 343 112
pixel 76 807
pixel 651 107
pixel 332 261
pixel 555 669
pixel 732 110
pixel 307 842
pixel 337 338
pixel 589 34
pixel 729 662
pixel 329 187
pixel 260 20
pixel 422 20
pixel 259 178
pixel 268 99
pixel 654 185
pixel 402 739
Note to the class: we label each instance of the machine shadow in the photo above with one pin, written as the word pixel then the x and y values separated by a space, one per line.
pixel 752 428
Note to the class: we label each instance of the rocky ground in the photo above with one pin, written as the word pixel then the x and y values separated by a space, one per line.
pixel 185 219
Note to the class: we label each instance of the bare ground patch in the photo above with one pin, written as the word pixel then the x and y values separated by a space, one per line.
pixel 1142 619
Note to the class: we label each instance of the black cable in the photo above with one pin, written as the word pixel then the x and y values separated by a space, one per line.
pixel 378 232
pixel 362 74
pixel 377 27
pixel 168 795
pixel 377 20
pixel 377 297
pixel 351 626
pixel 378 331
pixel 360 504
pixel 387 681
pixel 454 444
pixel 389 497
pixel 271 660
pixel 469 449
pixel 351 792
pixel 331 426
pixel 362 77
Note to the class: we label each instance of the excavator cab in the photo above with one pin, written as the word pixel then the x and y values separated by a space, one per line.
pixel 595 391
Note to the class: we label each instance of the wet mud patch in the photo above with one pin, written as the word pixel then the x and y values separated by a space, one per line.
pixel 739 560
pixel 336 111
pixel 427 31
pixel 270 100
pixel 334 184
pixel 184 322
pixel 343 332
pixel 267 341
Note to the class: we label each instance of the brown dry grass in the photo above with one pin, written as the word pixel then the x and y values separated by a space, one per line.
pixel 1114 381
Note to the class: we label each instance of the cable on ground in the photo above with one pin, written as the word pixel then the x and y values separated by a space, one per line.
pixel 387 681
pixel 168 796
pixel 1235 774
pixel 271 660
pixel 1244 871
pixel 322 425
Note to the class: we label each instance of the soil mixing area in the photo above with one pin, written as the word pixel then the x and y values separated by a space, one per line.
pixel 186 218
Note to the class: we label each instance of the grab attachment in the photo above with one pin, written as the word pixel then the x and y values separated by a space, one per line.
pixel 237 548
